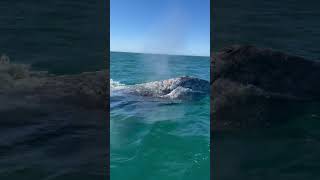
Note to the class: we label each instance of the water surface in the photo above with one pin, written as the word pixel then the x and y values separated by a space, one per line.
pixel 52 141
pixel 154 139
pixel 291 150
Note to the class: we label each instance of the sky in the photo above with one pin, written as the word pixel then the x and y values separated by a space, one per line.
pixel 160 26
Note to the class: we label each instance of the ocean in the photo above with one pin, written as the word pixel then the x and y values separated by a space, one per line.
pixel 287 25
pixel 67 37
pixel 43 140
pixel 61 37
pixel 290 150
pixel 153 139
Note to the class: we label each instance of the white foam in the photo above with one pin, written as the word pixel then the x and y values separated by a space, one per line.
pixel 114 85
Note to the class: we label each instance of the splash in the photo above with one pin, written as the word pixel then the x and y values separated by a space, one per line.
pixel 116 84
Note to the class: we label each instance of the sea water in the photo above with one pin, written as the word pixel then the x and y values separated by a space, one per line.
pixel 153 139
pixel 50 141
pixel 290 150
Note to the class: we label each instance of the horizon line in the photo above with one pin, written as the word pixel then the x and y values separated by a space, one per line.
pixel 151 53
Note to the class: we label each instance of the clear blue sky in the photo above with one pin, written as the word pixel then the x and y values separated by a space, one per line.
pixel 160 26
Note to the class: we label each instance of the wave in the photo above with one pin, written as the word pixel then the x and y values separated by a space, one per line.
pixel 116 84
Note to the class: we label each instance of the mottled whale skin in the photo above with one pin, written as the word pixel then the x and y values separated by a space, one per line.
pixel 256 87
pixel 182 88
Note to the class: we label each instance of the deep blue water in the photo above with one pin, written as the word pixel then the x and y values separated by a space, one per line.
pixel 287 25
pixel 152 139
pixel 47 141
pixel 59 36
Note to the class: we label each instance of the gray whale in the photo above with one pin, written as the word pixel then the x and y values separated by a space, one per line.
pixel 257 87
pixel 20 86
pixel 181 88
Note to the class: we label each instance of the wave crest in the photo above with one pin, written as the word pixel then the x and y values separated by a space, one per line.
pixel 116 84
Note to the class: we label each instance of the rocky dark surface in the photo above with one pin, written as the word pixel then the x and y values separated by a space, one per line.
pixel 253 87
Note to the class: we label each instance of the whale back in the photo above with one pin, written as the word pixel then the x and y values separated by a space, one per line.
pixel 176 88
pixel 184 87
pixel 194 84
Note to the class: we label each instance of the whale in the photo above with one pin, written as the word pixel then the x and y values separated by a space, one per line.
pixel 179 88
pixel 256 87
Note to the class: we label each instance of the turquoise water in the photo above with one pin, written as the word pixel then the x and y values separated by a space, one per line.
pixel 152 139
